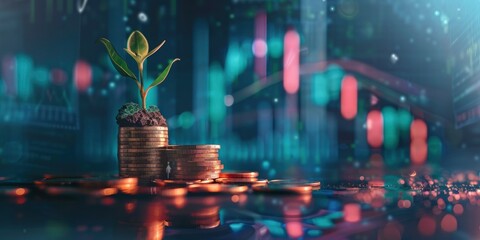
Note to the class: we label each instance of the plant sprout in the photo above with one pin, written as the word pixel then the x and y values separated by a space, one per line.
pixel 137 48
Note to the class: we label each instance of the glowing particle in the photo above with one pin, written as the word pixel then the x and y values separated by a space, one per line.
pixel 348 98
pixel 320 93
pixel 20 191
pixel 142 17
pixel 373 100
pixel 275 100
pixel 402 98
pixel 229 100
pixel 291 62
pixel 458 209
pixel 393 58
pixel 375 128
pixel 259 48
pixel 352 212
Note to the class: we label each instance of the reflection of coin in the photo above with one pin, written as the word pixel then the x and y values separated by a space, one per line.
pixel 216 188
pixel 295 189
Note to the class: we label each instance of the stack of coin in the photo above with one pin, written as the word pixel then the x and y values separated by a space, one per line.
pixel 190 162
pixel 138 151
pixel 239 178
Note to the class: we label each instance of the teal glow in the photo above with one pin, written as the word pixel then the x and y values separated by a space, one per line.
pixel 41 76
pixel 335 215
pixel 275 228
pixel 434 147
pixel 23 74
pixel 390 132
pixel 216 93
pixel 152 98
pixel 314 233
pixel 323 222
pixel 334 74
pixel 235 62
pixel 236 227
pixel 275 47
pixel 404 119
pixel 320 93
pixel 186 120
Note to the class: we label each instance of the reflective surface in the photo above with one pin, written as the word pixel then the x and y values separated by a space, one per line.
pixel 411 205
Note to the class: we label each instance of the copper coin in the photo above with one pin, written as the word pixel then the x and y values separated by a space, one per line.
pixel 174 192
pixel 239 174
pixel 139 160
pixel 144 128
pixel 202 146
pixel 187 152
pixel 161 182
pixel 141 144
pixel 197 168
pixel 240 181
pixel 185 163
pixel 118 182
pixel 144 139
pixel 190 175
pixel 266 188
pixel 201 226
pixel 216 188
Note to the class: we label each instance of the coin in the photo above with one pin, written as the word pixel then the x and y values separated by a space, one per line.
pixel 196 168
pixel 149 128
pixel 119 182
pixel 241 181
pixel 147 165
pixel 162 182
pixel 216 188
pixel 203 146
pixel 190 152
pixel 184 224
pixel 184 163
pixel 295 189
pixel 239 174
pixel 141 144
pixel 174 192
pixel 143 139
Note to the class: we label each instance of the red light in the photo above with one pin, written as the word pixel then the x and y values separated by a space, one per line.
pixel 418 151
pixel 348 98
pixel 449 223
pixel 82 75
pixel 291 62
pixel 294 229
pixel 260 45
pixel 352 212
pixel 375 128
pixel 418 130
pixel 427 226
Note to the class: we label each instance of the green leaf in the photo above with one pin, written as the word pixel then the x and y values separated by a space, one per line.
pixel 132 54
pixel 117 61
pixel 163 75
pixel 138 44
pixel 155 49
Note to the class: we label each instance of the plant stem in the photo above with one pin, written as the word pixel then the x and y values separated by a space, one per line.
pixel 142 92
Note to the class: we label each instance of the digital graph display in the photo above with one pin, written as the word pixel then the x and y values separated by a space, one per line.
pixel 465 62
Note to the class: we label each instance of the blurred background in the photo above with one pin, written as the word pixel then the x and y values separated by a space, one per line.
pixel 320 88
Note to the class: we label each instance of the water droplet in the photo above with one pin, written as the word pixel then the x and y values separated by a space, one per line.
pixel 142 17
pixel 393 58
